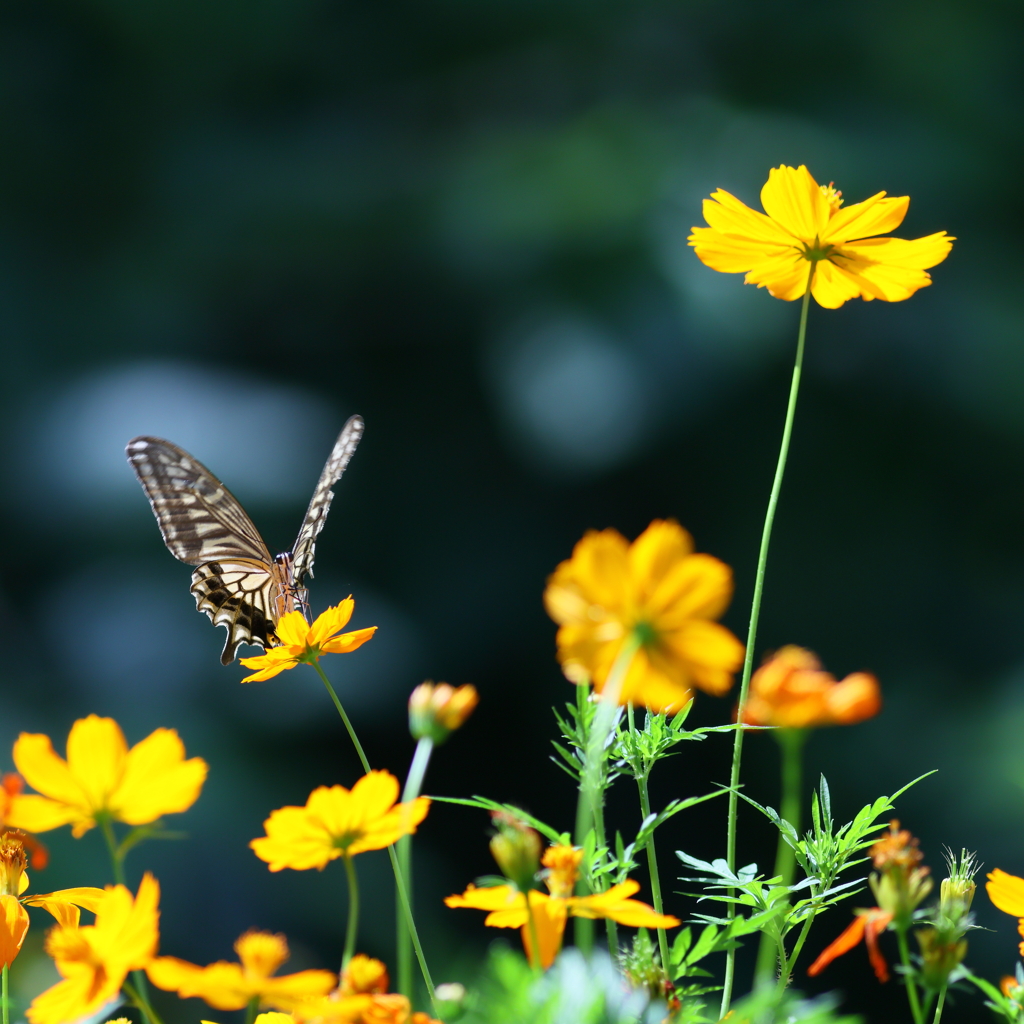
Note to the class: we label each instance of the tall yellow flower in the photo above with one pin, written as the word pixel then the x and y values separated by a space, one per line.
pixel 301 642
pixel 508 905
pixel 94 960
pixel 230 986
pixel 63 904
pixel 101 776
pixel 805 225
pixel 656 592
pixel 338 822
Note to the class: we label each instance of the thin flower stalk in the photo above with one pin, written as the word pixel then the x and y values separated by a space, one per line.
pixel 755 611
pixel 352 929
pixel 912 996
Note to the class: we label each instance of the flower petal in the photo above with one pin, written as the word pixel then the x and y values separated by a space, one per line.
pixel 330 622
pixel 1006 891
pixel 854 699
pixel 834 284
pixel 64 903
pixel 275 661
pixel 40 814
pixel 46 771
pixel 696 587
pixel 292 629
pixel 710 653
pixel 96 757
pixel 549 924
pixel 659 549
pixel 785 276
pixel 157 780
pixel 400 821
pixel 347 642
pixel 13 928
pixel 847 939
pixel 875 216
pixel 792 198
pixel 492 897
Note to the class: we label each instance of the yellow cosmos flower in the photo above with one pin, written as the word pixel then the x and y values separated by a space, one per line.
pixel 95 960
pixel 271 1017
pixel 655 591
pixel 230 986
pixel 805 225
pixel 338 822
pixel 63 905
pixel 103 777
pixel 301 642
pixel 508 905
pixel 1006 891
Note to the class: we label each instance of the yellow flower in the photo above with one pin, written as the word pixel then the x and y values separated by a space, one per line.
pixel 103 777
pixel 508 905
pixel 271 1017
pixel 301 642
pixel 436 709
pixel 806 226
pixel 63 905
pixel 337 822
pixel 95 960
pixel 657 592
pixel 229 986
pixel 1007 893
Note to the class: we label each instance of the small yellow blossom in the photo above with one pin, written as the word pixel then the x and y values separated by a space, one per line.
pixel 1006 891
pixel 63 905
pixel 507 905
pixel 230 986
pixel 792 691
pixel 436 709
pixel 94 960
pixel 656 592
pixel 805 226
pixel 270 1017
pixel 103 777
pixel 337 822
pixel 301 642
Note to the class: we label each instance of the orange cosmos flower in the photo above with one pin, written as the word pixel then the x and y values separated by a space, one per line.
pixel 508 905
pixel 230 986
pixel 1007 893
pixel 301 642
pixel 337 822
pixel 791 691
pixel 63 905
pixel 102 777
pixel 95 960
pixel 657 592
pixel 806 226
pixel 867 925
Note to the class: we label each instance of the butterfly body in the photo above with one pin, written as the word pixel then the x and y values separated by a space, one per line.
pixel 236 582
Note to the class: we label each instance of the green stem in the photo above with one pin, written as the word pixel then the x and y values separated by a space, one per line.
pixel 353 912
pixel 252 1010
pixel 755 611
pixel 804 932
pixel 141 1003
pixel 403 940
pixel 912 998
pixel 395 866
pixel 583 927
pixel 791 744
pixel 531 923
pixel 939 1005
pixel 592 784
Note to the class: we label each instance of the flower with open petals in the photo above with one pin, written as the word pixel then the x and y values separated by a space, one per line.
pixel 805 228
pixel 655 592
pixel 301 642
pixel 1006 891
pixel 94 960
pixel 63 905
pixel 230 986
pixel 507 905
pixel 867 926
pixel 103 777
pixel 791 691
pixel 338 822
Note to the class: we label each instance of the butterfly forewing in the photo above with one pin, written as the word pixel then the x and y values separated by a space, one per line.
pixel 199 518
pixel 319 506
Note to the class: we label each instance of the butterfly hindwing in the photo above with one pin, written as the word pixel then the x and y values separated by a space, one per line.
pixel 199 518
pixel 320 504
pixel 238 594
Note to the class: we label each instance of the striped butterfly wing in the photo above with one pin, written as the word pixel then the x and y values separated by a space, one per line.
pixel 320 504
pixel 203 524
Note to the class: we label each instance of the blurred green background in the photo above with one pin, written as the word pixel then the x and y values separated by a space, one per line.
pixel 235 224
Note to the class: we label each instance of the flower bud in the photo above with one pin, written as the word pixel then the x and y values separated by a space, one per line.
pixel 516 848
pixel 941 952
pixel 12 864
pixel 435 710
pixel 902 881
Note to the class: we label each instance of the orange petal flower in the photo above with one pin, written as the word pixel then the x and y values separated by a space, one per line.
pixel 231 986
pixel 302 642
pixel 867 925
pixel 790 690
pixel 805 225
pixel 657 591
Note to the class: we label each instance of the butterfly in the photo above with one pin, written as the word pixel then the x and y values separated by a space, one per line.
pixel 236 581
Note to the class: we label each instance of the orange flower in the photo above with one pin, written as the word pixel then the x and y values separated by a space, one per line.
pixel 790 690
pixel 1007 893
pixel 507 905
pixel 867 925
pixel 228 986
pixel 655 592
pixel 301 642
pixel 806 227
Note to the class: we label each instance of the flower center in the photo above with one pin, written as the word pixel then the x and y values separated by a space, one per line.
pixel 646 634
pixel 834 197
pixel 816 252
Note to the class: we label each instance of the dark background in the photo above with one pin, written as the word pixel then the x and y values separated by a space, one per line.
pixel 235 224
